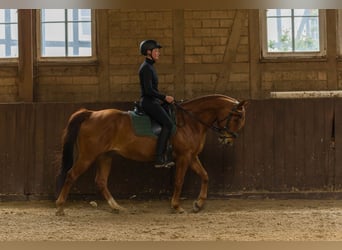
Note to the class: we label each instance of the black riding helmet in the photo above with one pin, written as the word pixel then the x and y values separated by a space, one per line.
pixel 148 45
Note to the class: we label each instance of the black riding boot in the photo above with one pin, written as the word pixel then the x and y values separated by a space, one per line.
pixel 161 159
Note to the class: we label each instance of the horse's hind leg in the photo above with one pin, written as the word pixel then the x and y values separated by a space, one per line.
pixel 77 169
pixel 104 163
pixel 199 169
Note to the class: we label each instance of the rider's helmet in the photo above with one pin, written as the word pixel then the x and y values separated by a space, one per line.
pixel 148 45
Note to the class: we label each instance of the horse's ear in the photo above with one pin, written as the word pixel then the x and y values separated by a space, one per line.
pixel 243 103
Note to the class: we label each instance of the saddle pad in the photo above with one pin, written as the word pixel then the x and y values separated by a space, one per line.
pixel 141 124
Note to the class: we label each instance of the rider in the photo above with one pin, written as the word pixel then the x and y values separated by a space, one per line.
pixel 152 100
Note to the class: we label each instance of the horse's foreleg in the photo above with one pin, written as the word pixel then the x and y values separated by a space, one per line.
pixel 182 164
pixel 103 169
pixel 198 168
pixel 78 168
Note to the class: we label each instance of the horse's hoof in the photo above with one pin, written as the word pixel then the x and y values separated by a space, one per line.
pixel 178 210
pixel 119 210
pixel 60 212
pixel 196 207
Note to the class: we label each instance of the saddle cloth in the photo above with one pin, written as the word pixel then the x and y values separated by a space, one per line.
pixel 143 125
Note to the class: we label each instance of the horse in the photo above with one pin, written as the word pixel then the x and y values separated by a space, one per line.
pixel 90 136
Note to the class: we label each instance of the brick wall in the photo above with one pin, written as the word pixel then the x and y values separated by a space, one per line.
pixel 67 84
pixel 204 52
pixel 127 28
pixel 295 80
pixel 205 36
pixel 217 39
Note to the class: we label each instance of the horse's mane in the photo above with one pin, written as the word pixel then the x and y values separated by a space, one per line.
pixel 200 99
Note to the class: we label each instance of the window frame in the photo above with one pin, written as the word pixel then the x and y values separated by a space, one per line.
pixel 66 59
pixel 339 34
pixel 293 55
pixel 10 60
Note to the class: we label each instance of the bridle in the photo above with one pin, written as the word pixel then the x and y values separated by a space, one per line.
pixel 221 131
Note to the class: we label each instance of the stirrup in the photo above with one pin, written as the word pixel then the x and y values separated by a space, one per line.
pixel 166 164
pixel 170 164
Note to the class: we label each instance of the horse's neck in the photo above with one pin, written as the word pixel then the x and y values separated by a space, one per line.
pixel 206 109
pixel 206 114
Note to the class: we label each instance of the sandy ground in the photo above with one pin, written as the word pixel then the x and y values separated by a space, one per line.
pixel 230 219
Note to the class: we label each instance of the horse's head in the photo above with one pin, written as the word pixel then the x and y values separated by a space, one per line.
pixel 220 113
pixel 230 124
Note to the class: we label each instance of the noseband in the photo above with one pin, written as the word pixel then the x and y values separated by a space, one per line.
pixel 221 131
pixel 226 130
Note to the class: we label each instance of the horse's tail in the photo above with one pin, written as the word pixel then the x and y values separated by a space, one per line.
pixel 68 141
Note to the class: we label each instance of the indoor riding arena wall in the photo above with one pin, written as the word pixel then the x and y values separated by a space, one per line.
pixel 286 146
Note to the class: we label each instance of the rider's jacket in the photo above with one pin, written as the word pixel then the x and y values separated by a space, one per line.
pixel 149 81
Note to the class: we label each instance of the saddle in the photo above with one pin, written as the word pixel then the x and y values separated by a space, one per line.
pixel 143 124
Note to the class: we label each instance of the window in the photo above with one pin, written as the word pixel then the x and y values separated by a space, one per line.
pixel 293 32
pixel 66 33
pixel 339 33
pixel 8 33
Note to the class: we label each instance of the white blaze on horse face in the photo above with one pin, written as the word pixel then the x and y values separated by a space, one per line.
pixel 237 122
pixel 234 123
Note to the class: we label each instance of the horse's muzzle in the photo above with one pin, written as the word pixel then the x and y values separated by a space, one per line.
pixel 227 137
pixel 226 140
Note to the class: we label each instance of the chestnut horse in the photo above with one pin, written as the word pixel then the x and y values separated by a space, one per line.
pixel 91 135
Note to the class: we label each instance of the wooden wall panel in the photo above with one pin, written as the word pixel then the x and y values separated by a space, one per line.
pixel 16 131
pixel 280 135
pixel 338 146
pixel 266 149
pixel 286 145
pixel 328 151
pixel 10 172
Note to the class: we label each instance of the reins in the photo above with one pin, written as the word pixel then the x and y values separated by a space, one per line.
pixel 212 127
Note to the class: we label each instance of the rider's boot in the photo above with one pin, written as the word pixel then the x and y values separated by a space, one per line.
pixel 161 160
